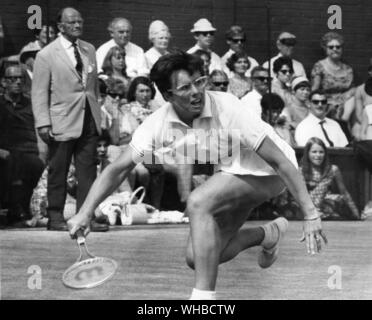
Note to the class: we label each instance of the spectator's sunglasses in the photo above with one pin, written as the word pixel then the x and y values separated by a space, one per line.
pixel 206 33
pixel 14 78
pixel 241 40
pixel 322 102
pixel 337 47
pixel 263 79
pixel 115 95
pixel 289 42
pixel 220 83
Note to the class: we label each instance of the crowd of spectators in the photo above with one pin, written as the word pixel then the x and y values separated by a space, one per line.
pixel 321 111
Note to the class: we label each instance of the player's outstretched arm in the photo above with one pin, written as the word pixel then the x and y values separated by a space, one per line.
pixel 105 185
pixel 288 172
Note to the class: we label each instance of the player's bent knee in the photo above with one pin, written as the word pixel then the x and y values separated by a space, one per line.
pixel 195 204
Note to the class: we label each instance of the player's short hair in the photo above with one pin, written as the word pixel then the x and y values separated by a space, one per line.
pixel 163 69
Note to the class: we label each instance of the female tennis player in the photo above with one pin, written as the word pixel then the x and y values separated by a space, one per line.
pixel 253 165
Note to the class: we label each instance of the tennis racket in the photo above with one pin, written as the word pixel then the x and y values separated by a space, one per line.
pixel 88 271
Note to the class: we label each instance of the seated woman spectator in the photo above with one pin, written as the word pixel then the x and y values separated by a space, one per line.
pixel 159 36
pixel 206 57
pixel 335 78
pixel 281 85
pixel 140 98
pixel 321 178
pixel 114 66
pixel 218 81
pixel 239 84
pixel 319 175
pixel 298 108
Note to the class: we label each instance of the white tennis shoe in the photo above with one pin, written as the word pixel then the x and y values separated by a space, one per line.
pixel 274 232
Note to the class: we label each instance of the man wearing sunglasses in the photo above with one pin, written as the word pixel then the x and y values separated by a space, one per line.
pixel 260 166
pixel 316 124
pixel 203 33
pixel 261 83
pixel 20 165
pixel 285 43
pixel 236 38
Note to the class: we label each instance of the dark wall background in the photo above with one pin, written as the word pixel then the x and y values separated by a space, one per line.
pixel 305 18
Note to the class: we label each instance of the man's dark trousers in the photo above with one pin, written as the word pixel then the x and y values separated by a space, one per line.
pixel 83 150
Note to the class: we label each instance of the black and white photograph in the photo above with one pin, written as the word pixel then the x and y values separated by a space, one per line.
pixel 185 151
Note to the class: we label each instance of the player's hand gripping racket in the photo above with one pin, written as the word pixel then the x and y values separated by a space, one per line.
pixel 88 271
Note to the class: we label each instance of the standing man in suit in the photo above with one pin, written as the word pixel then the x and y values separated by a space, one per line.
pixel 67 114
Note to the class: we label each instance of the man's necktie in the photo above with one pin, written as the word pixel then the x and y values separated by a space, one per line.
pixel 325 133
pixel 79 62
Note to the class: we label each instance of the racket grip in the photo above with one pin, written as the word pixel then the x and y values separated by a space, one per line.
pixel 80 237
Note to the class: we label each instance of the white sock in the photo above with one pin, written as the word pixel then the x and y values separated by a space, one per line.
pixel 202 295
pixel 271 235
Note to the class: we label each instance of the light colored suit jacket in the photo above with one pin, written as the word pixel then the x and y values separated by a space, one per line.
pixel 59 94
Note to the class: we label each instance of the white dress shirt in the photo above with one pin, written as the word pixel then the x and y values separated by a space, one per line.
pixel 253 63
pixel 69 48
pixel 310 127
pixel 67 45
pixel 252 100
pixel 134 58
pixel 298 68
pixel 216 62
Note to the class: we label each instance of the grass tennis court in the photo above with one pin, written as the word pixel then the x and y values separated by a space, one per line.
pixel 152 265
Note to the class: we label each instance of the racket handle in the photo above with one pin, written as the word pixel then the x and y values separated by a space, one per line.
pixel 80 237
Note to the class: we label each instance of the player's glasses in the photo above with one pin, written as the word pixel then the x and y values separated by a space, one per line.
pixel 198 83
pixel 322 102
pixel 337 47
